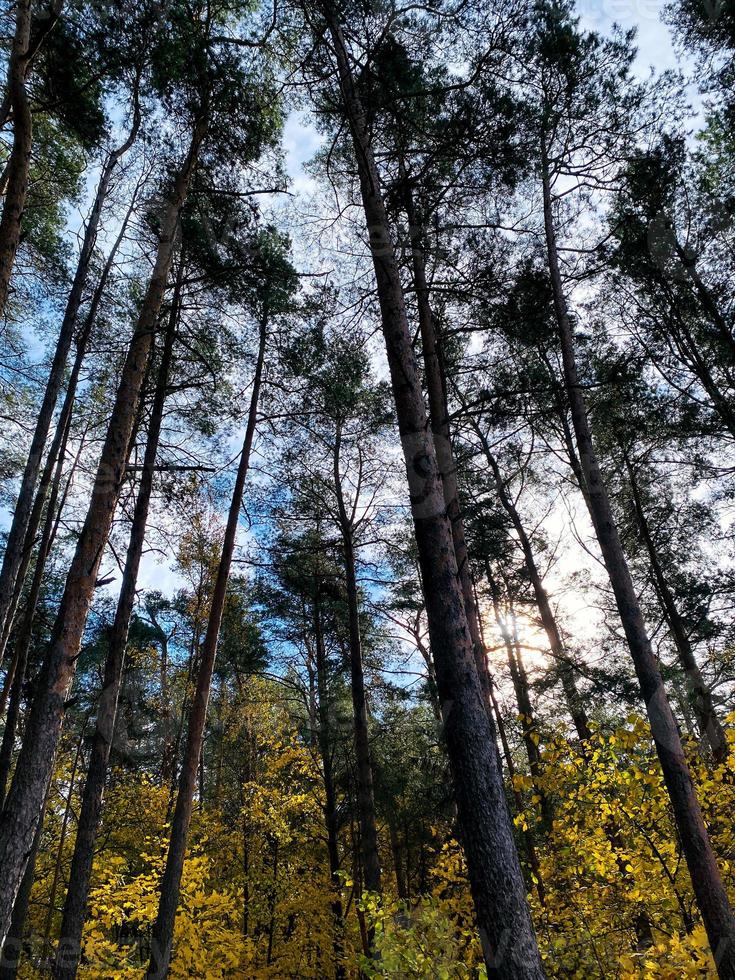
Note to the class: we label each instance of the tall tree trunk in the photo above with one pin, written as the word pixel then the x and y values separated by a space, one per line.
pixel 75 906
pixel 365 795
pixel 13 948
pixel 35 764
pixel 439 418
pixel 163 929
pixel 330 796
pixel 14 549
pixel 16 182
pixel 708 887
pixel 506 932
pixel 529 846
pixel 697 690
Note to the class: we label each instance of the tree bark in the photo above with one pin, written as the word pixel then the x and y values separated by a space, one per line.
pixel 75 906
pixel 519 678
pixel 35 764
pixel 20 155
pixel 13 948
pixel 708 887
pixel 49 17
pixel 56 449
pixel 17 535
pixel 15 678
pixel 506 932
pixel 163 929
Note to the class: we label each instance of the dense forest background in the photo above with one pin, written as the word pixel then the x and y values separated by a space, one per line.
pixel 367 474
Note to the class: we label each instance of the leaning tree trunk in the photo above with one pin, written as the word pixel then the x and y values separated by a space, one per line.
pixel 14 549
pixel 16 178
pixel 35 763
pixel 519 678
pixel 534 866
pixel 709 890
pixel 46 945
pixel 75 906
pixel 163 929
pixel 697 690
pixel 365 795
pixel 506 932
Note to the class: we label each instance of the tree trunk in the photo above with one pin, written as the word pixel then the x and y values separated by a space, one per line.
pixel 506 932
pixel 163 929
pixel 708 888
pixel 13 948
pixel 528 844
pixel 49 16
pixel 75 906
pixel 519 678
pixel 20 155
pixel 439 418
pixel 697 690
pixel 19 818
pixel 17 535
pixel 330 796
pixel 365 795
